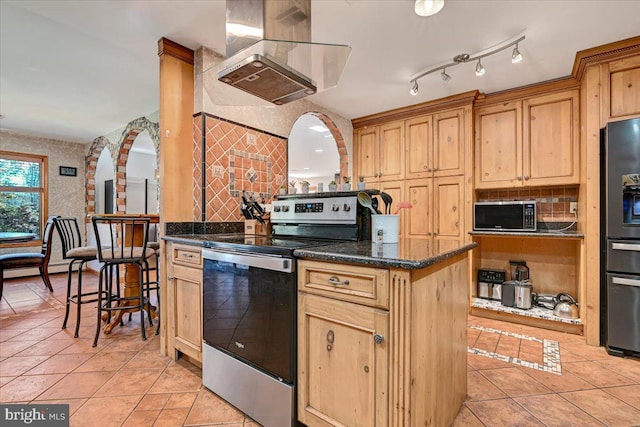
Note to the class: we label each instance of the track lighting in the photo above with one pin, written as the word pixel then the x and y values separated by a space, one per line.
pixel 428 7
pixel 516 56
pixel 414 88
pixel 479 68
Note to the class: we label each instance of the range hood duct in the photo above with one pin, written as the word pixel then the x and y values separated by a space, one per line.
pixel 270 54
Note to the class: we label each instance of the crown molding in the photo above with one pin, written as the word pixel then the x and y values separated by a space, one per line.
pixel 171 48
pixel 605 53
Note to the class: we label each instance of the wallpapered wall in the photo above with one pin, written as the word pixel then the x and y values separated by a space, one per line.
pixel 66 193
pixel 235 158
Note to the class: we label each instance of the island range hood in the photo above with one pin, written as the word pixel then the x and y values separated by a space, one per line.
pixel 270 54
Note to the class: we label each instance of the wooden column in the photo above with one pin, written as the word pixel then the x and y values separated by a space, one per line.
pixel 176 148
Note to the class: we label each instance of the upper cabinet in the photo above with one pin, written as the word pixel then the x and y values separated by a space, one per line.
pixel 379 152
pixel 434 145
pixel 530 142
pixel 624 84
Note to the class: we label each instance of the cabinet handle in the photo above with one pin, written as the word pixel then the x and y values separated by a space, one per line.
pixel 378 339
pixel 435 169
pixel 519 178
pixel 335 281
pixel 526 177
pixel 169 278
pixel 429 169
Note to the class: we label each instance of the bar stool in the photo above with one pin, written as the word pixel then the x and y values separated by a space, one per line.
pixel 154 285
pixel 126 245
pixel 72 249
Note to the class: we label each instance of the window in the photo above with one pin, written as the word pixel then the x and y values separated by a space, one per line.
pixel 23 190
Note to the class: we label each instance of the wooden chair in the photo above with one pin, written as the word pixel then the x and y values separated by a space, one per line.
pixel 31 259
pixel 72 249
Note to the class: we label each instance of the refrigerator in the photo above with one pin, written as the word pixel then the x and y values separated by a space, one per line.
pixel 621 240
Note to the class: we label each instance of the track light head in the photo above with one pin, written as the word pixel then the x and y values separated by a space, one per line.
pixel 446 77
pixel 516 56
pixel 414 88
pixel 479 69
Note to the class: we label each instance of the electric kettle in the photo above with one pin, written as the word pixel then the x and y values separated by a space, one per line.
pixel 566 307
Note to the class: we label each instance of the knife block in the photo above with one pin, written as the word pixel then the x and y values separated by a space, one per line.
pixel 252 226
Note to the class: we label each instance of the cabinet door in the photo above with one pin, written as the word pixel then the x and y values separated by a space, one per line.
pixel 551 139
pixel 625 86
pixel 418 147
pixel 396 189
pixel 391 151
pixel 366 146
pixel 448 143
pixel 448 205
pixel 342 372
pixel 419 219
pixel 499 146
pixel 184 301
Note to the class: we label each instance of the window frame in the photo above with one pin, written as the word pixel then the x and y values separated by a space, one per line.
pixel 43 190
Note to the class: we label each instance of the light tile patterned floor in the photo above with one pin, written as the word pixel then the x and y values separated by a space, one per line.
pixel 125 381
pixel 523 350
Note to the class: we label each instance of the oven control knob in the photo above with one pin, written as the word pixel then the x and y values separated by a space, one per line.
pixel 285 208
pixel 335 207
pixel 276 208
pixel 346 208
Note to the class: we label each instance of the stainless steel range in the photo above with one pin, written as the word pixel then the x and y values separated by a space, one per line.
pixel 249 303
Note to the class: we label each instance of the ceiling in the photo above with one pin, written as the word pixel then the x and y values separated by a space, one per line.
pixel 76 70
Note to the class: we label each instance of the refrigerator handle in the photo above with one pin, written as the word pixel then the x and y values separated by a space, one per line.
pixel 626 282
pixel 626 247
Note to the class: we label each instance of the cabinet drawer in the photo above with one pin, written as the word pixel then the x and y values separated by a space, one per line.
pixel 186 255
pixel 362 285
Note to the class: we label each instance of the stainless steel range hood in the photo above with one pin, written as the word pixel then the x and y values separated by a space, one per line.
pixel 270 54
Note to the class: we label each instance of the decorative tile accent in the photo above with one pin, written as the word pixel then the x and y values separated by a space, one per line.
pixel 537 312
pixel 550 352
pixel 229 147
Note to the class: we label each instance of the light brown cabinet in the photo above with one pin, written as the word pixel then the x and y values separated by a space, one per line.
pixel 533 142
pixel 184 301
pixel 435 145
pixel 379 153
pixel 624 85
pixel 381 347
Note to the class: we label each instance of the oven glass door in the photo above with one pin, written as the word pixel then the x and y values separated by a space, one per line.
pixel 249 309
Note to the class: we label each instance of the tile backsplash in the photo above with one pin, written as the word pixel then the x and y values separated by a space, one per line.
pixel 552 202
pixel 229 158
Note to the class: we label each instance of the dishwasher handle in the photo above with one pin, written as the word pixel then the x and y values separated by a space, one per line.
pixel 266 262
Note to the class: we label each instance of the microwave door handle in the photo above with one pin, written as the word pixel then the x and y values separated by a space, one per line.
pixel 626 247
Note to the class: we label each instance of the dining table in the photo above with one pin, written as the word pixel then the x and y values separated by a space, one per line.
pixel 131 272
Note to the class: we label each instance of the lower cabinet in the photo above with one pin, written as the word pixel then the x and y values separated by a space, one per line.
pixel 381 347
pixel 184 301
pixel 343 363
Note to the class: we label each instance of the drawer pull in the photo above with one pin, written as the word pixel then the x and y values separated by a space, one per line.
pixel 625 247
pixel 335 281
pixel 378 339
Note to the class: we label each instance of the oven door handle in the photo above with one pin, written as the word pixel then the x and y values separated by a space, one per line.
pixel 267 262
pixel 626 247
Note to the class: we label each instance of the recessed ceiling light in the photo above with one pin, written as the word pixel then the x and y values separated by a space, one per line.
pixel 306 169
pixel 319 150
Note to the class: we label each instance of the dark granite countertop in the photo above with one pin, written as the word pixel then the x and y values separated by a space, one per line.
pixel 408 254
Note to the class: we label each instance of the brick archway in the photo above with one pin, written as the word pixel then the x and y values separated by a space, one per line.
pixel 337 136
pixel 97 146
pixel 122 148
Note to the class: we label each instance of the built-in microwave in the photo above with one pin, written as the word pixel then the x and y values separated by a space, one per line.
pixel 505 216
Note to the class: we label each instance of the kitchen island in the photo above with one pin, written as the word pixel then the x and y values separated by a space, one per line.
pixel 381 331
pixel 382 334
